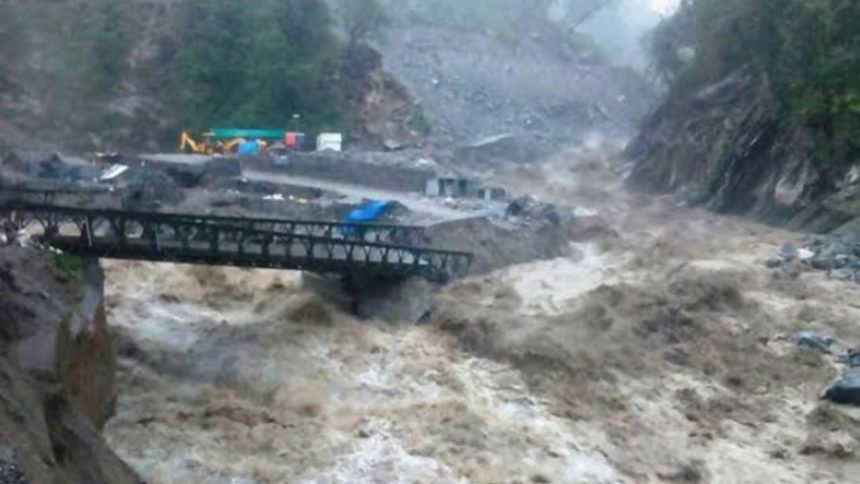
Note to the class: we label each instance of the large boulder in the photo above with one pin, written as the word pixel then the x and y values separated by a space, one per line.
pixel 845 390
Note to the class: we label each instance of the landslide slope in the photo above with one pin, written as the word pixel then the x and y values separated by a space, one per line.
pixel 486 68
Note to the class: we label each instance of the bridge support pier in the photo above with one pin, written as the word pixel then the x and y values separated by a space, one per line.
pixel 408 301
pixel 403 301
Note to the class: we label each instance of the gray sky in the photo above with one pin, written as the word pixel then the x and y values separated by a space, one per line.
pixel 663 6
pixel 620 29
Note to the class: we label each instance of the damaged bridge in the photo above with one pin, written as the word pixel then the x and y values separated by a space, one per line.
pixel 364 250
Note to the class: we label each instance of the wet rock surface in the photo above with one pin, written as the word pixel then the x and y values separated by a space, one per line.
pixel 11 474
pixel 530 208
pixel 814 340
pixel 56 371
pixel 850 358
pixel 836 254
pixel 55 327
pixel 46 440
pixel 726 146
pixel 846 390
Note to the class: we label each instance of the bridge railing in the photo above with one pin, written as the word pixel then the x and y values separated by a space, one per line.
pixel 232 241
pixel 370 232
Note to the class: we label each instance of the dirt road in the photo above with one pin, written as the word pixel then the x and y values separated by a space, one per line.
pixel 428 209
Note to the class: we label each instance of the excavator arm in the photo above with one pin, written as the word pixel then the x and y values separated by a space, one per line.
pixel 232 145
pixel 187 144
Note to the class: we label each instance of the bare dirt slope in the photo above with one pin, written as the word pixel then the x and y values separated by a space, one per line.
pixel 659 350
pixel 473 85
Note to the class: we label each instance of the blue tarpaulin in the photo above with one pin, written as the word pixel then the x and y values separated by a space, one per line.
pixel 249 148
pixel 368 212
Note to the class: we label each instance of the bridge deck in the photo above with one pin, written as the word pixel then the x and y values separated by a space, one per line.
pixel 326 247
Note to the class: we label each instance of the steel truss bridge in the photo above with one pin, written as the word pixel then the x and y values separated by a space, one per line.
pixel 371 250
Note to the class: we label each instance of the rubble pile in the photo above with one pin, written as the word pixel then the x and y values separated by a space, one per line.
pixel 455 75
pixel 530 208
pixel 838 255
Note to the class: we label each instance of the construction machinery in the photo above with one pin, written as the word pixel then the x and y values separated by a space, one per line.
pixel 244 141
pixel 228 140
pixel 187 144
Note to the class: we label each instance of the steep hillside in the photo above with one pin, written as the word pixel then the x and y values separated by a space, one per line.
pixel 108 74
pixel 762 115
pixel 486 68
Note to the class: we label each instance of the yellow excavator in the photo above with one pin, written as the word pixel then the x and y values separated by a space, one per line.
pixel 187 144
pixel 226 140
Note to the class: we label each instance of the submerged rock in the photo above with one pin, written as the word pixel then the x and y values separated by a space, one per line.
pixel 846 390
pixel 531 208
pixel 823 263
pixel 842 275
pixel 774 263
pixel 837 254
pixel 788 252
pixel 850 358
pixel 815 340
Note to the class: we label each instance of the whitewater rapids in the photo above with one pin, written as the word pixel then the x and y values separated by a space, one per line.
pixel 232 376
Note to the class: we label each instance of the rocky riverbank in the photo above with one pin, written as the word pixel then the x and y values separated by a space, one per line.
pixel 57 371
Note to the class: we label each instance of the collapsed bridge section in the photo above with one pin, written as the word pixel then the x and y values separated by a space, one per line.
pixel 370 250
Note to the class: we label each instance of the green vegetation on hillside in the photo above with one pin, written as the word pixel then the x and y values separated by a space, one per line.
pixel 807 52
pixel 362 19
pixel 255 63
pixel 69 265
pixel 131 73
pixel 124 66
pixel 89 43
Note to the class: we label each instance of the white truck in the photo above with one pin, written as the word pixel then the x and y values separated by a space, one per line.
pixel 330 142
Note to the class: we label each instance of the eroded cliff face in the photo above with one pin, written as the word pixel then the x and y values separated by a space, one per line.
pixel 727 146
pixel 57 370
pixel 383 113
